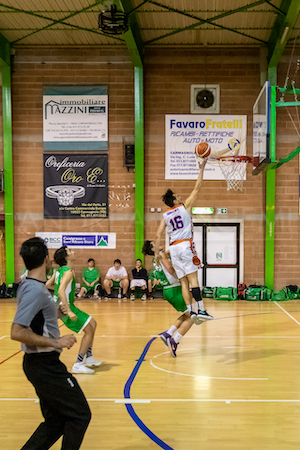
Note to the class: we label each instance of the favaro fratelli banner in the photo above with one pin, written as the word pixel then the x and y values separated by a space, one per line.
pixel 79 240
pixel 75 187
pixel 75 118
pixel 224 133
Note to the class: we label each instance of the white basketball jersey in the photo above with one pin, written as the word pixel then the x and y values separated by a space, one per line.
pixel 179 223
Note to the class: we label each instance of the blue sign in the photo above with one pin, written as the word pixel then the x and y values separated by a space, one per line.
pixel 79 240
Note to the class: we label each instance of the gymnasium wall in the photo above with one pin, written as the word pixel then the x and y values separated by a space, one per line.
pixel 1 152
pixel 168 74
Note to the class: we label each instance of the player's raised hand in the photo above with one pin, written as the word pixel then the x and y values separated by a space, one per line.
pixel 202 162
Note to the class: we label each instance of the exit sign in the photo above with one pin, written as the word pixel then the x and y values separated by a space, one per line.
pixel 222 210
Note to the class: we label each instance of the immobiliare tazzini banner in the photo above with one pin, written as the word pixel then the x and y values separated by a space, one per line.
pixel 75 118
pixel 225 134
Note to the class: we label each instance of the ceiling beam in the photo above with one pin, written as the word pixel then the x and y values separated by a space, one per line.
pixel 211 21
pixel 56 21
pixel 282 30
pixel 4 50
pixel 132 37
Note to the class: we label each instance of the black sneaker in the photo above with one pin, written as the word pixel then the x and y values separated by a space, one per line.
pixel 195 318
pixel 204 315
pixel 172 346
pixel 164 337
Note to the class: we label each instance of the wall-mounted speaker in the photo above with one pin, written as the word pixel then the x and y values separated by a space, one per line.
pixel 129 159
pixel 205 98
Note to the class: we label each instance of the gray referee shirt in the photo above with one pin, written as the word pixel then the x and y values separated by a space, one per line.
pixel 36 309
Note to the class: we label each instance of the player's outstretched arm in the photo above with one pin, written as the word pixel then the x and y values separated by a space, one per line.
pixel 166 262
pixel 193 196
pixel 157 244
pixel 25 335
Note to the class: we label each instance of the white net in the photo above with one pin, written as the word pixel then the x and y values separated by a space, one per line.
pixel 234 171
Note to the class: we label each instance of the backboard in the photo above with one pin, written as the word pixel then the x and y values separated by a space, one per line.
pixel 261 129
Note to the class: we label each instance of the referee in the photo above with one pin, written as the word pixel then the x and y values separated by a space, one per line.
pixel 63 404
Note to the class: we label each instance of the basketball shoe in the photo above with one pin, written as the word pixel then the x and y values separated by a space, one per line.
pixel 81 368
pixel 172 346
pixel 91 361
pixel 164 337
pixel 204 315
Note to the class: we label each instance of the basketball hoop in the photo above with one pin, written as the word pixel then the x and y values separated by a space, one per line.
pixel 234 169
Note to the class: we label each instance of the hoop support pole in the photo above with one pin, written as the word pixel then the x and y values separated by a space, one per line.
pixel 276 164
pixel 281 103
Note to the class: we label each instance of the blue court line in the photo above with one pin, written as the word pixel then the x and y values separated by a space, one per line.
pixel 130 408
pixel 130 380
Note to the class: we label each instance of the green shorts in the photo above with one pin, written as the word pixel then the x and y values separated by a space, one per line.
pixel 89 288
pixel 116 283
pixel 80 323
pixel 173 295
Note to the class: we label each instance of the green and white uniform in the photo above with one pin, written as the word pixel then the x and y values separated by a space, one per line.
pixel 171 289
pixel 90 275
pixel 82 318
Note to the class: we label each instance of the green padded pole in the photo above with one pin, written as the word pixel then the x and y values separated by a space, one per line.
pixel 139 160
pixel 270 189
pixel 8 174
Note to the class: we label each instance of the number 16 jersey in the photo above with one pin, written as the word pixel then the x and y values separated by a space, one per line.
pixel 179 224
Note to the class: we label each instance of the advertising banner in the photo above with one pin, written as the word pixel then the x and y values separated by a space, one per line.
pixel 75 118
pixel 79 240
pixel 224 133
pixel 75 186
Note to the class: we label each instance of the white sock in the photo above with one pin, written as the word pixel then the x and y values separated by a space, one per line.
pixel 201 305
pixel 189 307
pixel 172 330
pixel 177 337
pixel 78 295
pixel 195 307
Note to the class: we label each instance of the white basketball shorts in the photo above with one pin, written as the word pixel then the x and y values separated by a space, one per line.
pixel 138 283
pixel 182 259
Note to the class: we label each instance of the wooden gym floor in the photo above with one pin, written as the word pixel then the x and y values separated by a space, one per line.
pixel 234 385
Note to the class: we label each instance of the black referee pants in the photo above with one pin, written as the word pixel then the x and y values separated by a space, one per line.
pixel 63 404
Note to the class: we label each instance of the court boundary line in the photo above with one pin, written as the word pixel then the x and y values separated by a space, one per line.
pixel 129 406
pixel 201 376
pixel 168 400
pixel 279 306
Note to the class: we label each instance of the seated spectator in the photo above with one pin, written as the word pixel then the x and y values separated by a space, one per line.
pixel 116 277
pixel 139 279
pixel 91 280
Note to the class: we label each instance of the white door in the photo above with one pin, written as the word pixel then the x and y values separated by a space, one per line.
pixel 218 248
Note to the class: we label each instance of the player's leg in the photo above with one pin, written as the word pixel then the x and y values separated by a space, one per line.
pixel 90 361
pixel 82 292
pixel 196 294
pixel 174 341
pixel 62 403
pixel 124 285
pixel 188 298
pixel 145 291
pixel 107 285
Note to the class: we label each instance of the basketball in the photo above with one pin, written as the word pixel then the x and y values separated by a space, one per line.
pixel 202 150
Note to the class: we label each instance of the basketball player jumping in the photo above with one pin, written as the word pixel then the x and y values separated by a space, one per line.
pixel 172 292
pixel 185 261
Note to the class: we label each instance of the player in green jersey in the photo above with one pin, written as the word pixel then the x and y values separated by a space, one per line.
pixel 173 294
pixel 75 319
pixel 91 280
